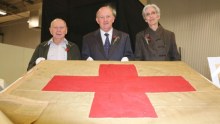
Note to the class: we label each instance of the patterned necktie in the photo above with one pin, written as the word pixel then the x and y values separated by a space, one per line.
pixel 107 44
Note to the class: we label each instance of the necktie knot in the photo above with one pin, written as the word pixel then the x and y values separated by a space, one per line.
pixel 106 34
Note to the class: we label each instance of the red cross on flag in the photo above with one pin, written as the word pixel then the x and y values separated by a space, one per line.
pixel 119 91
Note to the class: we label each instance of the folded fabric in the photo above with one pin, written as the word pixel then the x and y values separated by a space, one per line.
pixel 21 110
pixel 4 119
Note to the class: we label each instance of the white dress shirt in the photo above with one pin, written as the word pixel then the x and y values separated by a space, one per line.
pixel 104 37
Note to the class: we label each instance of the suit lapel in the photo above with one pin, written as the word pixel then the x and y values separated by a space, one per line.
pixel 99 42
pixel 116 37
pixel 69 54
pixel 46 49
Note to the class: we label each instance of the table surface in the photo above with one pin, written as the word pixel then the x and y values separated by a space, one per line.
pixel 199 107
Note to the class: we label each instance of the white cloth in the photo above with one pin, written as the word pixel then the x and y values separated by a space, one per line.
pixel 89 59
pixel 124 59
pixel 39 60
pixel 216 72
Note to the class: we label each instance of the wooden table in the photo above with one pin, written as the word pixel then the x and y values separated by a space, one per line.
pixel 199 107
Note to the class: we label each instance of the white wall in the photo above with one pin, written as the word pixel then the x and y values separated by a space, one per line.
pixel 14 61
pixel 17 48
pixel 197 28
pixel 18 33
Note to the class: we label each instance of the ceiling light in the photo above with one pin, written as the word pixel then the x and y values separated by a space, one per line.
pixel 2 12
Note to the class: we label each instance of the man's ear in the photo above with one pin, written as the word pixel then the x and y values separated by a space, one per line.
pixel 113 20
pixel 50 31
pixel 145 19
pixel 97 20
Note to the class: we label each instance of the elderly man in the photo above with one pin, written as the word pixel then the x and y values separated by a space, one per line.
pixel 57 48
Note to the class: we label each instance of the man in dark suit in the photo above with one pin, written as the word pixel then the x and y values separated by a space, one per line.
pixel 106 43
pixel 57 48
pixel 155 43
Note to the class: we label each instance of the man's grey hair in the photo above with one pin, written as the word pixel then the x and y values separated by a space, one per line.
pixel 110 7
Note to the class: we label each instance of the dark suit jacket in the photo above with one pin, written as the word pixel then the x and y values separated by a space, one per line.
pixel 120 46
pixel 73 52
pixel 159 45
